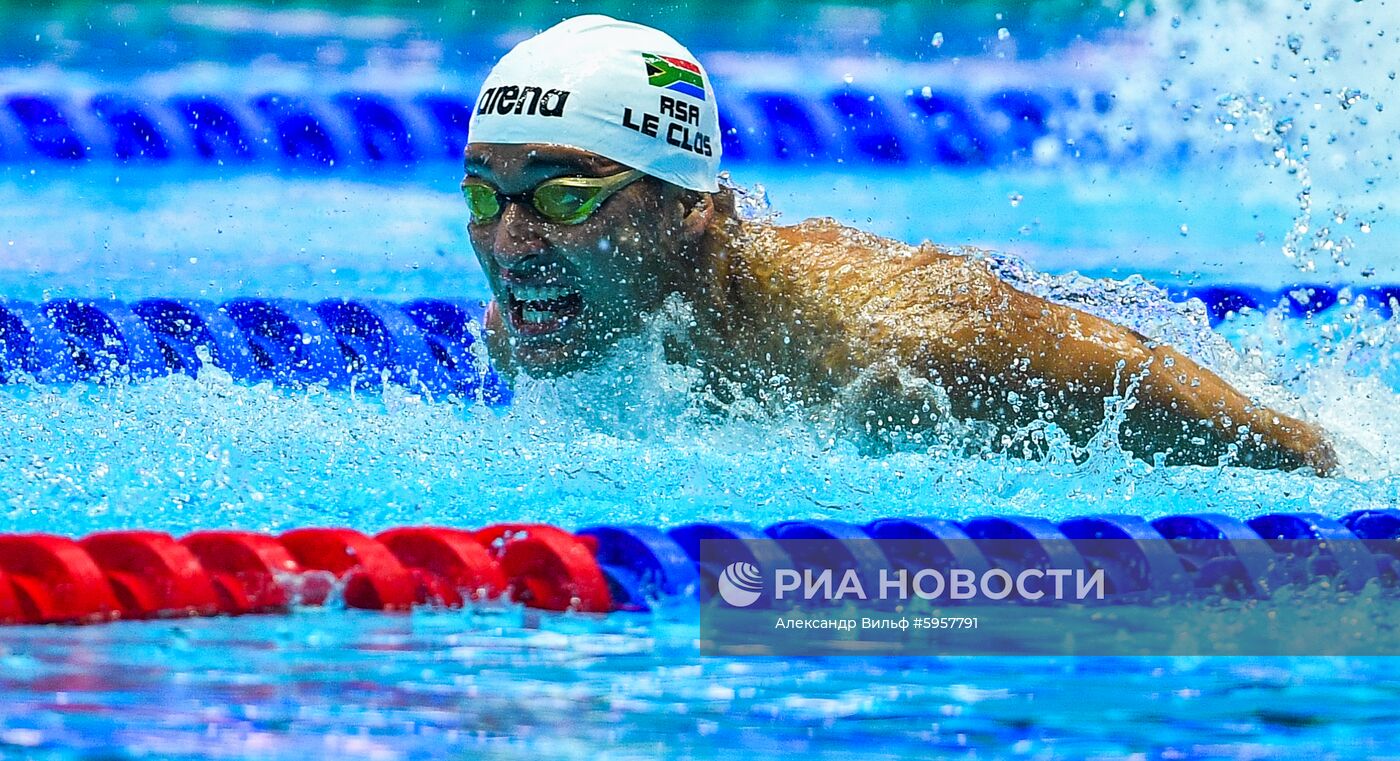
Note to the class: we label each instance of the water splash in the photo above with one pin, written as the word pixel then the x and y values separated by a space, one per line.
pixel 632 441
pixel 1305 88
pixel 629 441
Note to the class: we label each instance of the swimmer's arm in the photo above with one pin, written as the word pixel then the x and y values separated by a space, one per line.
pixel 1181 408
pixel 1014 359
pixel 1063 364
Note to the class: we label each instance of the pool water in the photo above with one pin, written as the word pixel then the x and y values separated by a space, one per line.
pixel 500 684
pixel 630 442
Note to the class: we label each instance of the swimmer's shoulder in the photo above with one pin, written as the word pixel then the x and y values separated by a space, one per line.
pixel 846 275
pixel 823 235
pixel 825 232
pixel 823 247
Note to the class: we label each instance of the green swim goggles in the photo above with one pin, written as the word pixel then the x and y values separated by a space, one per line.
pixel 562 200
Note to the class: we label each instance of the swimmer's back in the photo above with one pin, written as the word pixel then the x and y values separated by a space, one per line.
pixel 850 299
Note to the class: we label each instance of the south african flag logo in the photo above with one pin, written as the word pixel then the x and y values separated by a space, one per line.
pixel 674 74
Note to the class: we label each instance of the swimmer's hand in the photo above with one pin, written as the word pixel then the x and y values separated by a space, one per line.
pixel 1292 444
pixel 1180 407
pixel 1196 416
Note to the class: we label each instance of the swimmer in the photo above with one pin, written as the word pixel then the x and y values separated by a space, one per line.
pixel 592 184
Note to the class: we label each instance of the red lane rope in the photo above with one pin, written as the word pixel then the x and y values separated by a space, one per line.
pixel 148 574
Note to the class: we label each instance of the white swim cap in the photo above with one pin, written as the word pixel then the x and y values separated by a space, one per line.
pixel 621 90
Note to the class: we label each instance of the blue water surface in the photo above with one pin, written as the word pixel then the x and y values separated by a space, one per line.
pixel 631 443
pixel 503 684
pixel 627 443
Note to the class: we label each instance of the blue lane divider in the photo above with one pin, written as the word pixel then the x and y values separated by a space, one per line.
pixel 452 329
pixel 384 129
pixel 1018 543
pixel 426 345
pixel 218 131
pixel 1051 547
pixel 917 124
pixel 434 345
pixel 1222 551
pixel 48 128
pixel 642 563
pixel 1172 558
pixel 799 538
pixel 137 131
pixel 32 346
pixel 841 547
pixel 743 544
pixel 289 342
pixel 1131 552
pixel 1379 531
pixel 912 125
pixel 381 342
pixel 307 134
pixel 185 327
pixel 1327 547
pixel 106 337
pixel 1301 301
pixel 927 543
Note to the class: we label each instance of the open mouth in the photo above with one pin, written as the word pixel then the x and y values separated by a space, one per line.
pixel 537 310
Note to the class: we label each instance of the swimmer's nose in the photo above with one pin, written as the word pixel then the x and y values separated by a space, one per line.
pixel 517 235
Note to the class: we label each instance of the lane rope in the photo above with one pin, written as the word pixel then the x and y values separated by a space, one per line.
pixel 964 126
pixel 136 575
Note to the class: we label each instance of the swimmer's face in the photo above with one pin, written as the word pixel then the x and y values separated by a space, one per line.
pixel 568 292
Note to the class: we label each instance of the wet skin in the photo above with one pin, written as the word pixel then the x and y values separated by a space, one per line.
pixel 830 309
